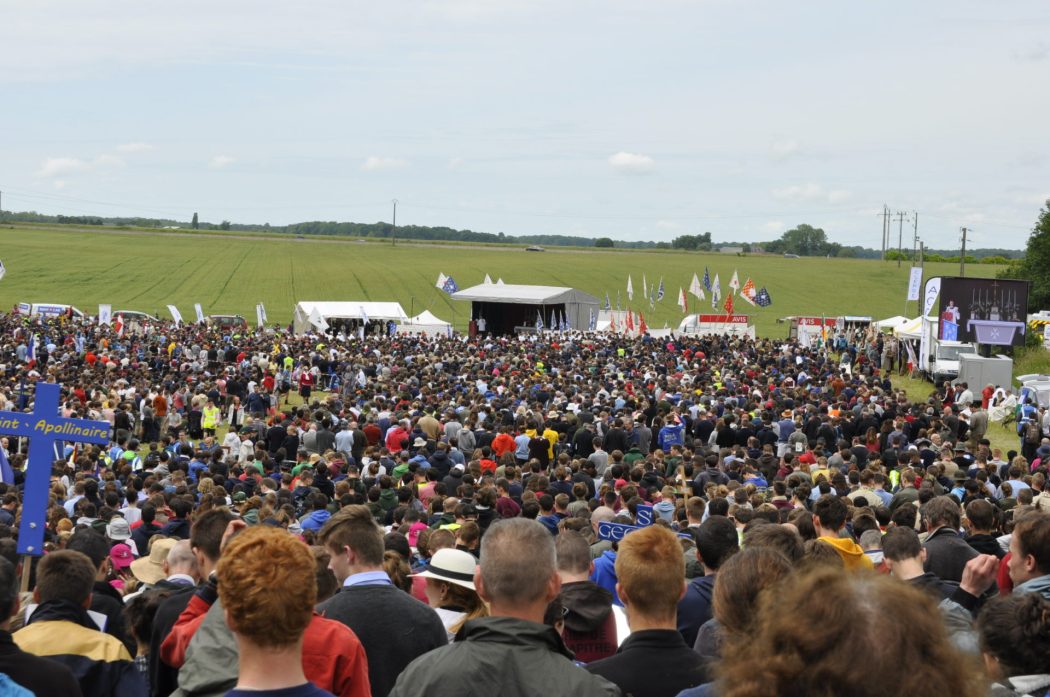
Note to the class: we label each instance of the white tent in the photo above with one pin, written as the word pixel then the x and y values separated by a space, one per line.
pixel 911 329
pixel 306 313
pixel 891 322
pixel 510 308
pixel 426 322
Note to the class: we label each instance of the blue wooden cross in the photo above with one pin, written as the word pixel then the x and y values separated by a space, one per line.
pixel 44 427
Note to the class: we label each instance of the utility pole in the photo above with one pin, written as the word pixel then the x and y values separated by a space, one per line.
pixel 900 237
pixel 915 242
pixel 393 231
pixel 885 229
pixel 962 253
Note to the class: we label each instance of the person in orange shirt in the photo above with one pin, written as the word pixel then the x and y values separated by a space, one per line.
pixel 503 443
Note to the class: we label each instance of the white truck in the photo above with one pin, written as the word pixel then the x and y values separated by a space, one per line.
pixel 940 359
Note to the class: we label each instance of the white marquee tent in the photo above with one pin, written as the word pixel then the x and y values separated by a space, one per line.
pixel 314 316
pixel 426 322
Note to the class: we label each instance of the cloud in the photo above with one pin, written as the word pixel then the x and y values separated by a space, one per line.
pixel 134 147
pixel 108 161
pixel 383 164
pixel 810 192
pixel 773 226
pixel 631 163
pixel 455 163
pixel 59 184
pixel 220 161
pixel 783 149
pixel 1035 53
pixel 667 225
pixel 62 166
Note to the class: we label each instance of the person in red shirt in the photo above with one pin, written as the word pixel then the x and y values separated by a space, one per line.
pixel 503 443
pixel 396 436
pixel 273 622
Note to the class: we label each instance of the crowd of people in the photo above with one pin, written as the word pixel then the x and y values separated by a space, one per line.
pixel 567 513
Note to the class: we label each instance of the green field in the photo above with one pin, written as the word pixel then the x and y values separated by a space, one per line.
pixel 229 274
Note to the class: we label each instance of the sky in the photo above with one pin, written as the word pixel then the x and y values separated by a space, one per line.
pixel 632 119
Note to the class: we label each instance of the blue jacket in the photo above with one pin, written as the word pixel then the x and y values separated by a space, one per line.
pixel 604 574
pixel 315 520
pixel 695 607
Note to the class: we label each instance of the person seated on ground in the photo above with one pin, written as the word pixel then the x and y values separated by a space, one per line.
pixel 650 575
pixel 512 652
pixel 61 629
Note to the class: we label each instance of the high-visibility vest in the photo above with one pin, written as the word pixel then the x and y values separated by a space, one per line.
pixel 210 417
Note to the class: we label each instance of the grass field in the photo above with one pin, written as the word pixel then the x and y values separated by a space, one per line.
pixel 229 275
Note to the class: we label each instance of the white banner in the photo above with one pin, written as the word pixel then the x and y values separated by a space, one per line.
pixel 200 313
pixel 1046 337
pixel 175 314
pixel 105 314
pixel 933 289
pixel 260 314
pixel 914 283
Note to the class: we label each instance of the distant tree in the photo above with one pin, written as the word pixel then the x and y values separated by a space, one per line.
pixel 224 225
pixel 195 224
pixel 847 252
pixel 603 242
pixel 806 241
pixel 995 260
pixel 663 245
pixel 746 247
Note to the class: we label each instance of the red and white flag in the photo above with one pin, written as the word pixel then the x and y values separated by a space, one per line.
pixel 630 322
pixel 682 302
pixel 642 329
pixel 734 282
pixel 748 292
pixel 119 324
pixel 729 304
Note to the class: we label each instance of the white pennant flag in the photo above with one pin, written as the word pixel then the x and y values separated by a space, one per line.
pixel 682 302
pixel 441 281
pixel 630 288
pixel 105 314
pixel 734 282
pixel 645 288
pixel 696 289
pixel 175 314
pixel 488 279
pixel 260 314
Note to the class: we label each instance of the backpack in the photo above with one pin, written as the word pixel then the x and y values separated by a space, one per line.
pixel 1032 432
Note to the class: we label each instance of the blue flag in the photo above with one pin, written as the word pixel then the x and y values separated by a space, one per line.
pixel 450 286
pixel 660 290
pixel 762 298
pixel 592 322
pixel 539 321
pixel 707 280
pixel 617 301
pixel 7 475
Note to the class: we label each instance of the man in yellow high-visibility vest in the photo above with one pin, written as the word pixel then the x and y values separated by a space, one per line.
pixel 210 418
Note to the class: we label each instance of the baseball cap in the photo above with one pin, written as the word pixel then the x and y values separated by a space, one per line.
pixel 120 556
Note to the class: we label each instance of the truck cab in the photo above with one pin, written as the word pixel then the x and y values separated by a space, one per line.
pixel 944 360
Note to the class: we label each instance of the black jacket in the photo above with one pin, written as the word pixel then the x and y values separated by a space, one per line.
pixel 107 601
pixel 669 665
pixel 947 554
pixel 986 544
pixel 163 679
pixel 41 676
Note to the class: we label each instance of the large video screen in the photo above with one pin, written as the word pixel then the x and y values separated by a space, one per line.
pixel 983 310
